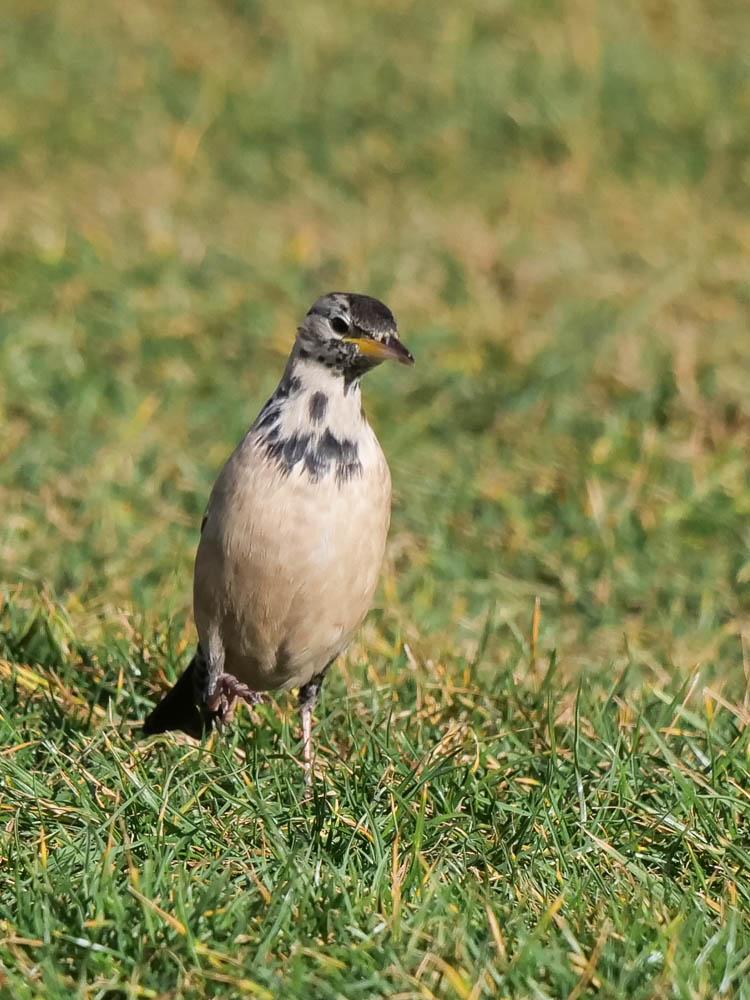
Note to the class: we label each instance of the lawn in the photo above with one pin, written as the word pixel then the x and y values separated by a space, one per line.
pixel 534 762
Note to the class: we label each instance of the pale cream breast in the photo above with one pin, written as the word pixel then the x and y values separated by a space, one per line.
pixel 287 566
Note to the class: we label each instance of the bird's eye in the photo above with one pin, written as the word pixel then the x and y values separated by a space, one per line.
pixel 339 324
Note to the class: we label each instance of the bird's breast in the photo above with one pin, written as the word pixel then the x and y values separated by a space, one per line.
pixel 291 552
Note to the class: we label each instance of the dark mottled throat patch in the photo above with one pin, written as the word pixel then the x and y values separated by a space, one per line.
pixel 318 406
pixel 318 452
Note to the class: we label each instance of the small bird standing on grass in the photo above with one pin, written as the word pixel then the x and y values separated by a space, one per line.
pixel 293 538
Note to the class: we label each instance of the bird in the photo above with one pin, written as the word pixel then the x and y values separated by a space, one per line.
pixel 294 534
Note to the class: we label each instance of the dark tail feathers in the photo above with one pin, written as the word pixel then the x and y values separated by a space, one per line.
pixel 179 709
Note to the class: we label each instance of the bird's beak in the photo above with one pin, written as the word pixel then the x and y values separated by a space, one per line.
pixel 390 349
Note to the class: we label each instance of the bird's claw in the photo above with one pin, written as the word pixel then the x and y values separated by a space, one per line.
pixel 223 701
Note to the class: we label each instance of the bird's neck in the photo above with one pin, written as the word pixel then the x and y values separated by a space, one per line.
pixel 314 426
pixel 316 397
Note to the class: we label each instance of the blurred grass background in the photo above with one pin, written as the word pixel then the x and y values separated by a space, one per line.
pixel 552 197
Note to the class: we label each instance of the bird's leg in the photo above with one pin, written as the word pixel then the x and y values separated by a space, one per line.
pixel 307 744
pixel 222 689
pixel 308 698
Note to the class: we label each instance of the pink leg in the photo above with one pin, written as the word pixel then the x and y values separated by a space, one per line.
pixel 307 746
pixel 308 697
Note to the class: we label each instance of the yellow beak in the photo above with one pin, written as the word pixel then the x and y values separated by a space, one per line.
pixel 383 350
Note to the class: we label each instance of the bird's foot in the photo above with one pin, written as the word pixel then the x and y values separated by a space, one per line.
pixel 228 691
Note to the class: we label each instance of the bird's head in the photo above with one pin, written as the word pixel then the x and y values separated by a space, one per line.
pixel 350 334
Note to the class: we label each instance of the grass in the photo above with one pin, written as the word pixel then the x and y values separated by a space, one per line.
pixel 534 760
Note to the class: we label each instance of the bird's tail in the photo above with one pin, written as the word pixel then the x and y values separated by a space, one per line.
pixel 179 708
